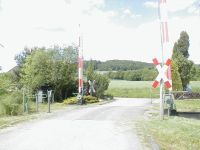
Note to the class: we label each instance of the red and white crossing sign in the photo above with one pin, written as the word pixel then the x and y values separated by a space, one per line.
pixel 162 73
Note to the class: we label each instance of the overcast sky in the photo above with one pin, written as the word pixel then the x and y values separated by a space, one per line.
pixel 112 29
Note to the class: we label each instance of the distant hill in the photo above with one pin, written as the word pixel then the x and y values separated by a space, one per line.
pixel 119 65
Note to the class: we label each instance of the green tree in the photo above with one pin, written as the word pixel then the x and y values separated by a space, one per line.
pixel 90 71
pixel 101 81
pixel 183 44
pixel 180 57
pixel 36 71
pixel 176 84
pixel 55 67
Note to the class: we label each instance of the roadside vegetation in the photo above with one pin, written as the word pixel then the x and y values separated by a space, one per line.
pixel 45 69
pixel 175 133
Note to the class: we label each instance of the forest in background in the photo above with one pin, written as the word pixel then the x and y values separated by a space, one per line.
pixel 131 70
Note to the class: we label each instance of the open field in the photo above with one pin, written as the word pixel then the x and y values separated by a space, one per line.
pixel 139 89
pixel 136 89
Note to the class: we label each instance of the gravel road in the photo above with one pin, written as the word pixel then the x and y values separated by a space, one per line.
pixel 102 127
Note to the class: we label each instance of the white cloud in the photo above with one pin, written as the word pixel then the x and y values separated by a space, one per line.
pixel 194 9
pixel 34 23
pixel 178 5
pixel 151 4
pixel 173 5
pixel 127 12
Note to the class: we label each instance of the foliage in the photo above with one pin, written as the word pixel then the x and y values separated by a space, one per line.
pixel 90 71
pixel 180 57
pixel 117 65
pixel 11 104
pixel 70 101
pixel 96 64
pixel 182 45
pixel 122 65
pixel 21 57
pixel 55 68
pixel 101 81
pixel 176 84
pixel 135 75
pixel 90 99
pixel 36 70
pixel 7 84
pixel 196 73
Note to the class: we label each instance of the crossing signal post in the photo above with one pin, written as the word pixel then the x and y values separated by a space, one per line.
pixel 161 79
pixel 80 69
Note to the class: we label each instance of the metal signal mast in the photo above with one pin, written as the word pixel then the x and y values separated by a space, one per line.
pixel 80 66
pixel 165 37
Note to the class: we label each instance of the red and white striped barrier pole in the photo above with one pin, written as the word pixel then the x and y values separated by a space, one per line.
pixel 80 64
pixel 165 36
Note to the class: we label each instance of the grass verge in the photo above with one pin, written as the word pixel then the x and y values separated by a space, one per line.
pixel 188 105
pixel 43 108
pixel 172 133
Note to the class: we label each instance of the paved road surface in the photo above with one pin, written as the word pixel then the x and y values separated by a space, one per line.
pixel 103 127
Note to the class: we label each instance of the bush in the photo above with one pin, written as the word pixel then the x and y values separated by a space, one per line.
pixel 90 99
pixel 12 104
pixel 70 101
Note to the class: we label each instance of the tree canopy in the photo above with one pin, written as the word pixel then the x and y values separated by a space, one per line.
pixel 181 62
pixel 54 67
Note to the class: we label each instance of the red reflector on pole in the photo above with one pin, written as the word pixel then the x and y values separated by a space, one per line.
pixel 155 84
pixel 169 61
pixel 155 61
pixel 168 85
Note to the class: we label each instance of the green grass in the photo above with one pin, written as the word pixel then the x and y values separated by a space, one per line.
pixel 174 133
pixel 139 89
pixel 188 105
pixel 195 86
pixel 43 108
pixel 136 89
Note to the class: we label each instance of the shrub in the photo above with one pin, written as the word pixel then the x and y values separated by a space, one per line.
pixel 70 101
pixel 90 99
pixel 12 104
